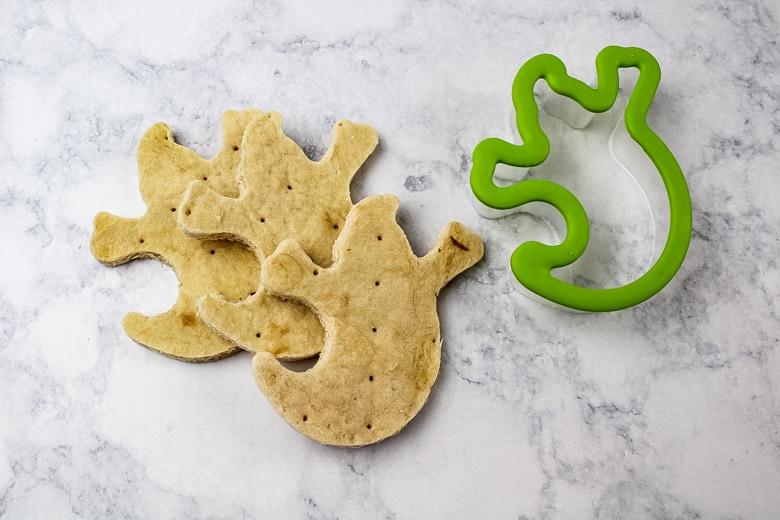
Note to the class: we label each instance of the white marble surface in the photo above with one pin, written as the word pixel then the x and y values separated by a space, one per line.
pixel 667 410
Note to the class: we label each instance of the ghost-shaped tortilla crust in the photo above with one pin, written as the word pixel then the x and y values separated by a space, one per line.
pixel 282 194
pixel 377 303
pixel 201 266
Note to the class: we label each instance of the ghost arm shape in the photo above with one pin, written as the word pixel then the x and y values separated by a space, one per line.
pixel 109 243
pixel 455 250
pixel 292 272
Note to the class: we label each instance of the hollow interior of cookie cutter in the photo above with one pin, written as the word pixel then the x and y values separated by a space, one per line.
pixel 621 191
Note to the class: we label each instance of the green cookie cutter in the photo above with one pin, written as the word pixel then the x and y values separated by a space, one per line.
pixel 532 262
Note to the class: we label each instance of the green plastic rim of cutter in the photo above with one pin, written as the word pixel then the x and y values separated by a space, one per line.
pixel 532 262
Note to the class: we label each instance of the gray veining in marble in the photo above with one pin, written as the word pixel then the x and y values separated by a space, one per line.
pixel 669 410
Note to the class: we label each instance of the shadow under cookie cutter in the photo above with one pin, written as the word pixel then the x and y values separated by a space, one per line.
pixel 532 262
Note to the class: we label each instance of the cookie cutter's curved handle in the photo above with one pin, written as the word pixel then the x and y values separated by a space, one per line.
pixel 532 262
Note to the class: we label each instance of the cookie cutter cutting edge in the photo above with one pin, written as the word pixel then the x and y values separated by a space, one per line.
pixel 532 262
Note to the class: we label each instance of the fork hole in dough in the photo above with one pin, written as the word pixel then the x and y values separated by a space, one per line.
pixel 373 329
pixel 368 426
pixel 173 210
pixel 315 272
pixel 257 335
pixel 212 252
pixel 370 378
pixel 235 148
pixel 141 241
pixel 305 418
pixel 336 227
pixel 376 283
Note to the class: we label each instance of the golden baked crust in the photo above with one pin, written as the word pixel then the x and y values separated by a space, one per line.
pixel 377 303
pixel 202 266
pixel 283 194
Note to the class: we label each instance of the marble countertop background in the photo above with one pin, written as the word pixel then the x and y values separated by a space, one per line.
pixel 669 410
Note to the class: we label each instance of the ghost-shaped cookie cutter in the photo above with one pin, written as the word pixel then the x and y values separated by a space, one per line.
pixel 532 262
